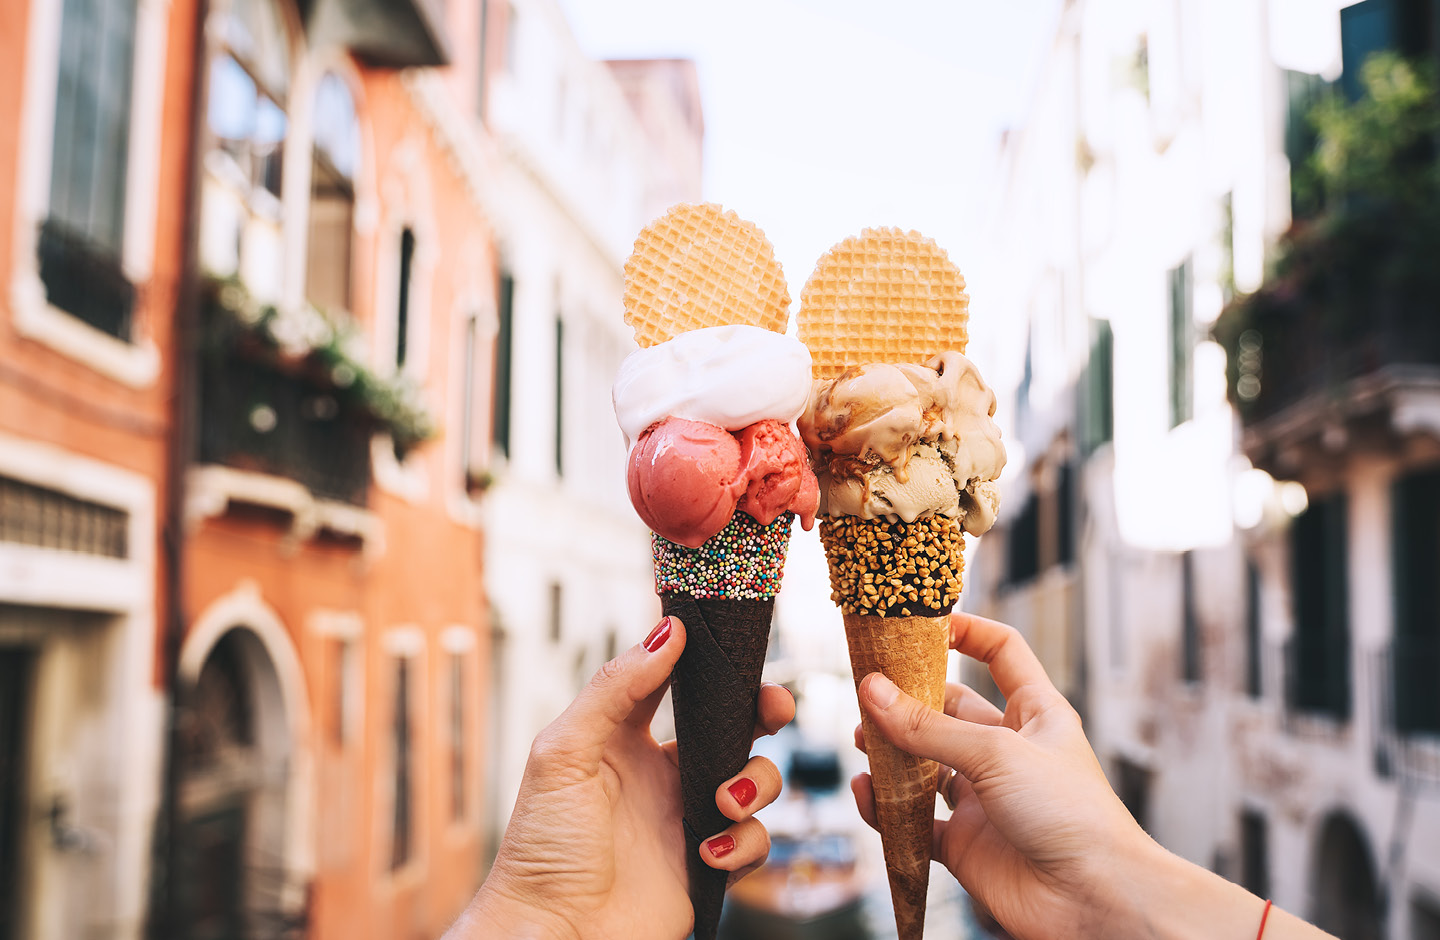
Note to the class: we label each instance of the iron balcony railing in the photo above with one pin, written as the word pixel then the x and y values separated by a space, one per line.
pixel 1405 676
pixel 256 416
pixel 1286 358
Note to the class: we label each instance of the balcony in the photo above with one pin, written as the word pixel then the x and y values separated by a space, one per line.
pixel 384 33
pixel 1339 349
pixel 1407 712
pixel 256 417
pixel 1308 386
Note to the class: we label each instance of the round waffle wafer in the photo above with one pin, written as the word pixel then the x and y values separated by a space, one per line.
pixel 884 296
pixel 698 266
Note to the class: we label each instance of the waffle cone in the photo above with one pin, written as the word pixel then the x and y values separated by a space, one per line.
pixel 909 651
pixel 699 266
pixel 715 689
pixel 883 296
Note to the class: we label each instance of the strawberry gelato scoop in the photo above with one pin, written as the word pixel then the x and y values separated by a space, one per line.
pixel 687 478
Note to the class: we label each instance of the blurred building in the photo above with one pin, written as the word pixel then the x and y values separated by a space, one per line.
pixel 91 241
pixel 576 156
pixel 1255 660
pixel 241 373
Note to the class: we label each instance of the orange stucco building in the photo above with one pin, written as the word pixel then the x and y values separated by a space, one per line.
pixel 332 666
pixel 248 299
pixel 94 146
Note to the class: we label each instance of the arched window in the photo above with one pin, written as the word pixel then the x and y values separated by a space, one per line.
pixel 334 165
pixel 249 85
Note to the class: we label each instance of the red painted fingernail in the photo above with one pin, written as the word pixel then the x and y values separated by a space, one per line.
pixel 658 636
pixel 721 846
pixel 743 790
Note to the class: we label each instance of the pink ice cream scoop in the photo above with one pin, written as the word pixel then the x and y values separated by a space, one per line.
pixel 777 469
pixel 686 478
pixel 683 479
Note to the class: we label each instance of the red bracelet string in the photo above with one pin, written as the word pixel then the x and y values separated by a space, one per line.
pixel 1263 918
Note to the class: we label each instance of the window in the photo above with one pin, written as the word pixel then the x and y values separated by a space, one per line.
pixel 335 161
pixel 1253 683
pixel 472 465
pixel 500 425
pixel 1098 424
pixel 1189 621
pixel 559 396
pixel 1065 514
pixel 1023 544
pixel 1319 660
pixel 1254 853
pixel 249 82
pixel 402 821
pixel 1182 342
pixel 402 303
pixel 457 737
pixel 1303 92
pixel 557 611
pixel 483 65
pixel 336 719
pixel 80 244
pixel 1415 648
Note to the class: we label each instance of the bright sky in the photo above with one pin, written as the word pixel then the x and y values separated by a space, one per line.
pixel 823 117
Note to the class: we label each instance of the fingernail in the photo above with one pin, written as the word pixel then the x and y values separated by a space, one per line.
pixel 658 636
pixel 882 691
pixel 721 846
pixel 743 790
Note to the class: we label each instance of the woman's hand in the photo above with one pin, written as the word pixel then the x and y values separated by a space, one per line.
pixel 1037 836
pixel 595 846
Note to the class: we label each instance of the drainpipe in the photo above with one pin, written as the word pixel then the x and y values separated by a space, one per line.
pixel 164 914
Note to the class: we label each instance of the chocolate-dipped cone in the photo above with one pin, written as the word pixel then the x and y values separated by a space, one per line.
pixel 724 592
pixel 715 687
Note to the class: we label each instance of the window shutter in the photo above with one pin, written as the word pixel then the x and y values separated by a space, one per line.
pixel 1365 29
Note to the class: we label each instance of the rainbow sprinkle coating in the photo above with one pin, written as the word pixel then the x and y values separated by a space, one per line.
pixel 742 561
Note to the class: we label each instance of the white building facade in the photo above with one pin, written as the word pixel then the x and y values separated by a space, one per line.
pixel 1168 582
pixel 576 157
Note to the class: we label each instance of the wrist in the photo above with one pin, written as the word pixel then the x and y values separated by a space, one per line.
pixel 501 910
pixel 1157 894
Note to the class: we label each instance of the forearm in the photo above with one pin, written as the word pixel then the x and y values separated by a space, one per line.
pixel 1161 896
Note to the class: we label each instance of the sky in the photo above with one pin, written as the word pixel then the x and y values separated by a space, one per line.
pixel 824 117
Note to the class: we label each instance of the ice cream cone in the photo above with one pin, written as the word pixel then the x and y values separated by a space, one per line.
pixel 909 651
pixel 876 568
pixel 726 599
pixel 900 435
pixel 695 269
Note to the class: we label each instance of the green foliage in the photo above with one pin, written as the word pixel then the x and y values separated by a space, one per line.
pixel 324 350
pixel 1380 147
pixel 1358 285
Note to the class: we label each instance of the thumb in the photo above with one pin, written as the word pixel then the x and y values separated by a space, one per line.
pixel 578 737
pixel 971 748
